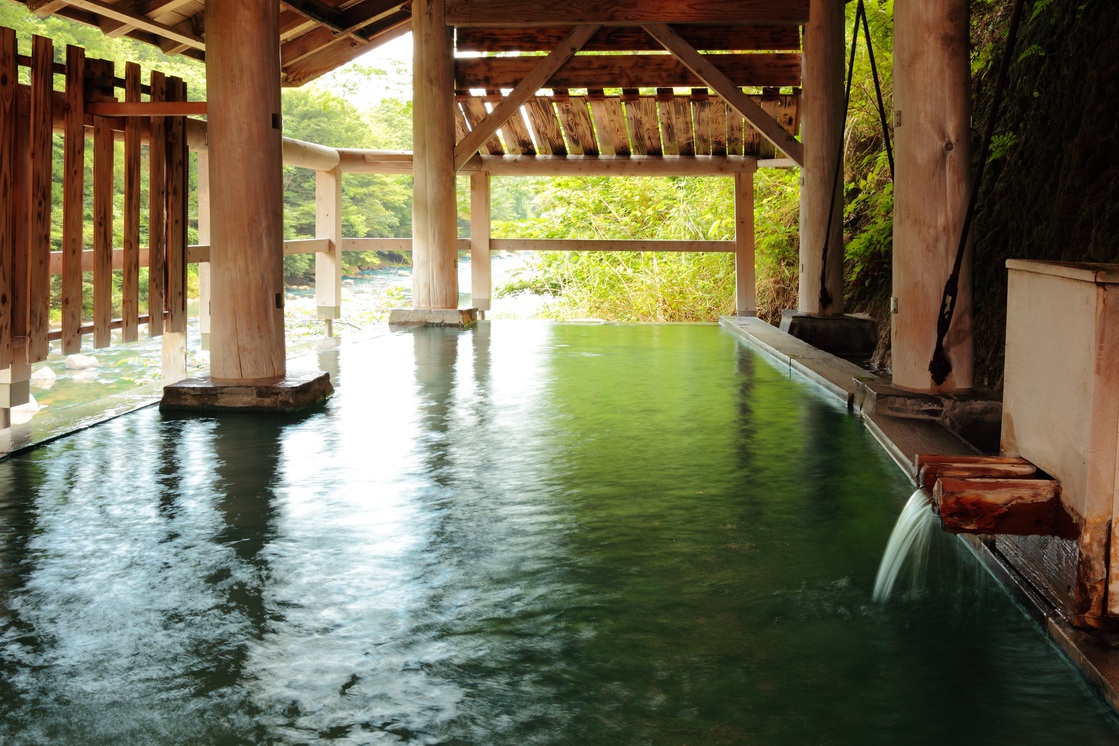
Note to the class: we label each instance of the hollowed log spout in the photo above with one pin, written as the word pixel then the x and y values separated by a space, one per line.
pixel 990 495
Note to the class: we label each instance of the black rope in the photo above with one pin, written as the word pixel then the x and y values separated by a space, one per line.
pixel 825 296
pixel 878 93
pixel 940 366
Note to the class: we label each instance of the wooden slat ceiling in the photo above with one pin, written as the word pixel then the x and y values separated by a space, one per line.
pixel 635 100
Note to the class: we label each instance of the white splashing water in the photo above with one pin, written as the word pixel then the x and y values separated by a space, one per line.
pixel 909 541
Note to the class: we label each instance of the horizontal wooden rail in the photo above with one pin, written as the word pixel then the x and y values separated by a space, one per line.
pixel 572 244
pixel 146 108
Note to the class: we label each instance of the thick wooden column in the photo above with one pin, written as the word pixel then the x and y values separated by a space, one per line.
pixel 821 107
pixel 745 284
pixel 931 98
pixel 246 189
pixel 328 264
pixel 480 280
pixel 434 234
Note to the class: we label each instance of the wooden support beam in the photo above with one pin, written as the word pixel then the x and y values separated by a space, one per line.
pixel 321 60
pixel 568 244
pixel 103 158
pixel 204 284
pixel 629 39
pixel 932 468
pixel 631 71
pixel 717 81
pixel 130 280
pixel 328 264
pixel 246 209
pixel 9 124
pixel 33 313
pixel 480 280
pixel 151 9
pixel 105 10
pixel 174 341
pixel 157 209
pixel 73 202
pixel 532 82
pixel 745 284
pixel 514 13
pixel 146 108
pixel 511 165
pixel 821 192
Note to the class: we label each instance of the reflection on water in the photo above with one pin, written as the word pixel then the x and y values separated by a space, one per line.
pixel 522 533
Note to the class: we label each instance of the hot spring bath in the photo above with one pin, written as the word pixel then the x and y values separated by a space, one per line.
pixel 523 533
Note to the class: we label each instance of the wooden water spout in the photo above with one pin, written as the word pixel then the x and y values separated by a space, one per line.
pixel 990 494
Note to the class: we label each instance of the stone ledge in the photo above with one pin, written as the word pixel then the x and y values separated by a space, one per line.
pixel 850 337
pixel 297 391
pixel 460 317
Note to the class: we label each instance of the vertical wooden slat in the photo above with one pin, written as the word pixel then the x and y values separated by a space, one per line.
pixel 31 316
pixel 8 123
pixel 130 281
pixel 476 113
pixel 575 119
pixel 701 113
pixel 734 132
pixel 73 202
pixel 103 156
pixel 204 239
pixel 157 210
pixel 549 135
pixel 684 129
pixel 745 281
pixel 518 141
pixel 771 105
pixel 328 264
pixel 718 127
pixel 480 279
pixel 667 116
pixel 460 122
pixel 176 213
pixel 609 122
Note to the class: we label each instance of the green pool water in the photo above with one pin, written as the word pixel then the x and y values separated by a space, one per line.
pixel 523 533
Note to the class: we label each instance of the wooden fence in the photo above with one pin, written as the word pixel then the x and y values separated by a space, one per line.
pixel 88 112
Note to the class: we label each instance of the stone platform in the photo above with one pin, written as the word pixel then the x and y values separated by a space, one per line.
pixel 299 390
pixel 461 317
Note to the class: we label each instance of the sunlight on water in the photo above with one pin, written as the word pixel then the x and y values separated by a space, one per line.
pixel 909 542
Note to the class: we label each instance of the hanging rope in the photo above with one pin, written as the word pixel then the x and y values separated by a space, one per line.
pixel 940 366
pixel 877 90
pixel 825 296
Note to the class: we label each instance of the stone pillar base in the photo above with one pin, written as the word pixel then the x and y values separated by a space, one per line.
pixel 851 337
pixel 460 317
pixel 298 390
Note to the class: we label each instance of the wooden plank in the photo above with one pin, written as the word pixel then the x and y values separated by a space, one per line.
pixel 549 135
pixel 476 113
pixel 9 122
pixel 701 116
pixel 514 13
pixel 103 157
pixel 610 122
pixel 771 105
pixel 997 506
pixel 157 210
pixel 147 108
pixel 644 129
pixel 627 165
pixel 73 204
pixel 575 118
pixel 685 128
pixel 25 202
pixel 480 279
pixel 538 73
pixel 718 116
pixel 734 132
pixel 328 264
pixel 670 142
pixel 930 467
pixel 518 140
pixel 32 313
pixel 176 216
pixel 461 128
pixel 567 244
pixel 631 71
pixel 725 87
pixel 344 49
pixel 719 37
pixel 130 281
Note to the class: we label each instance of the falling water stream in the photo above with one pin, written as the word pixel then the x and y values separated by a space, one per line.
pixel 909 541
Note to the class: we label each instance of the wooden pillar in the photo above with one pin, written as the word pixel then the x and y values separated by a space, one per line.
pixel 328 264
pixel 246 209
pixel 933 159
pixel 821 107
pixel 745 285
pixel 434 234
pixel 204 288
pixel 480 280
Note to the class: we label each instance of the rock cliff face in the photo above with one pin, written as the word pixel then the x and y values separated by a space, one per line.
pixel 1054 192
